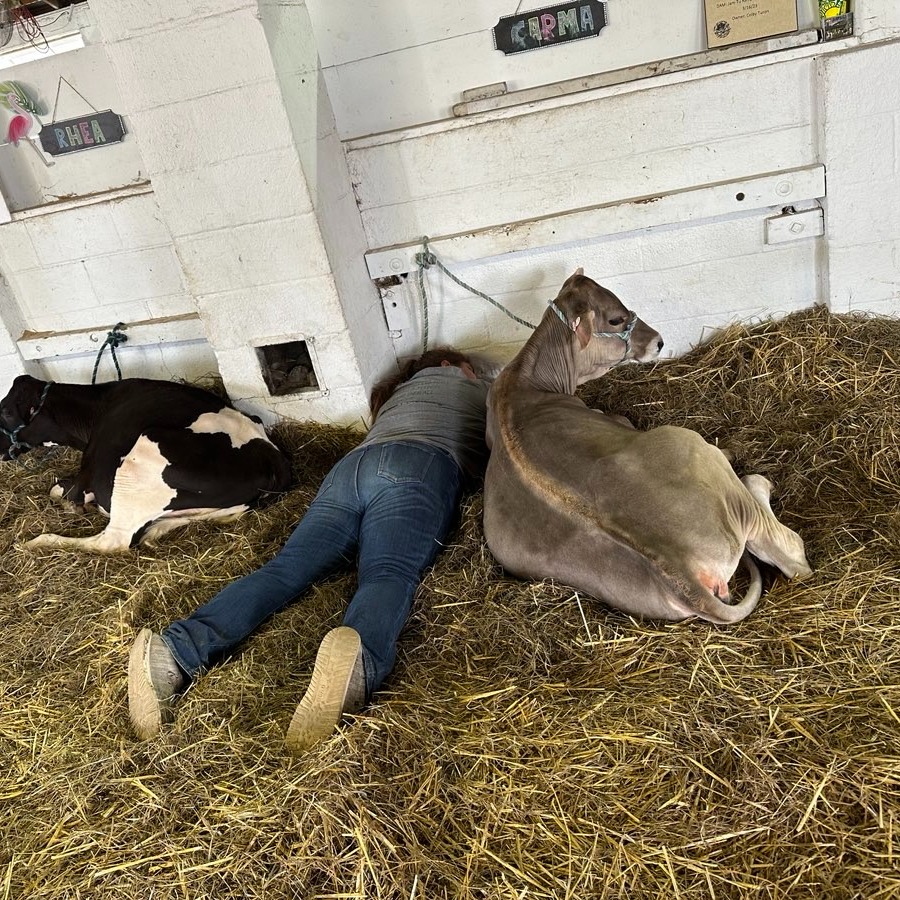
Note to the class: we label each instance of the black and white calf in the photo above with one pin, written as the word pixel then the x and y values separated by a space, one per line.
pixel 155 454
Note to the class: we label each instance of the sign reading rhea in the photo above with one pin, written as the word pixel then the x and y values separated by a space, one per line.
pixel 83 133
pixel 549 26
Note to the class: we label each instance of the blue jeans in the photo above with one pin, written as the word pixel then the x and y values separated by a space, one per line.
pixel 389 505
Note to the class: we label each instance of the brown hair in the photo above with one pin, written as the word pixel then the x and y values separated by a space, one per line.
pixel 385 388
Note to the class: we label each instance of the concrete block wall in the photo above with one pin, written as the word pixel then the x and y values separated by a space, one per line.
pixel 87 268
pixel 205 87
pixel 257 217
pixel 292 40
pixel 444 49
pixel 686 281
pixel 686 278
pixel 84 267
pixel 861 115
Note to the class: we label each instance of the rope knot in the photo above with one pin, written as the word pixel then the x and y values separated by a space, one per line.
pixel 114 338
pixel 426 259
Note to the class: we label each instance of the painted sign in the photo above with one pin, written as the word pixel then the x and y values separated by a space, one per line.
pixel 549 26
pixel 84 133
pixel 733 21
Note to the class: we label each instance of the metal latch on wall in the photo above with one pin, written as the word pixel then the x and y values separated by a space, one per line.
pixel 794 225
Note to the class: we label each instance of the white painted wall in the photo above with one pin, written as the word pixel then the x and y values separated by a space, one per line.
pixel 861 123
pixel 259 211
pixel 245 188
pixel 683 278
pixel 492 173
pixel 244 214
pixel 25 180
pixel 405 63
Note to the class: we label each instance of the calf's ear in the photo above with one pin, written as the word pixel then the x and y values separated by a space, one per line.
pixel 575 274
pixel 584 329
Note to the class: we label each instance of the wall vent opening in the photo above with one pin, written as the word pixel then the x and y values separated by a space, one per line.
pixel 287 368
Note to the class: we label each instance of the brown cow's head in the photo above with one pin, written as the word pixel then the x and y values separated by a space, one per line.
pixel 607 333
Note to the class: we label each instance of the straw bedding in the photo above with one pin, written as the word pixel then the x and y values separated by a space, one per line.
pixel 531 742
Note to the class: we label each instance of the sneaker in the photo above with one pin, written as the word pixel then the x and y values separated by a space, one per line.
pixel 154 682
pixel 337 686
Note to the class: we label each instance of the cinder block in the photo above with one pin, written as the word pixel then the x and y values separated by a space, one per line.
pixel 92 318
pixel 254 255
pixel 245 120
pixel 203 131
pixel 296 310
pixel 696 242
pixel 17 252
pixel 74 234
pixel 173 305
pixel 863 276
pixel 121 19
pixel 233 192
pixel 282 250
pixel 136 275
pixel 291 36
pixel 211 263
pixel 53 290
pixel 8 341
pixel 169 140
pixel 338 367
pixel 11 366
pixel 188 201
pixel 343 406
pixel 241 373
pixel 189 360
pixel 863 214
pixel 138 222
pixel 861 84
pixel 860 151
pixel 267 185
pixel 196 58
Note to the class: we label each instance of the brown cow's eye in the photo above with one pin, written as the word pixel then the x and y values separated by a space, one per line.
pixel 617 321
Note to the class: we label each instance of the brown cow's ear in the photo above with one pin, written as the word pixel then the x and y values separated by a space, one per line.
pixel 575 274
pixel 584 329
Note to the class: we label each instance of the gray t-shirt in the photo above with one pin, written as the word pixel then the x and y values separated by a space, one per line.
pixel 439 406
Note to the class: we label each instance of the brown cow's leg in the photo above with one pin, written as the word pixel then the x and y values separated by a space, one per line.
pixel 769 540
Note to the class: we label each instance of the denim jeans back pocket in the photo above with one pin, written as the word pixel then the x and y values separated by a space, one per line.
pixel 403 463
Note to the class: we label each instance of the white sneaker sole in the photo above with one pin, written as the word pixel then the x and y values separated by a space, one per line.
pixel 319 712
pixel 144 708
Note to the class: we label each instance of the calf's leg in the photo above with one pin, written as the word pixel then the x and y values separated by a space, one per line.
pixel 769 540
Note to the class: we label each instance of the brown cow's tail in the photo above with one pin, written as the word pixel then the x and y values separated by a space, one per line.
pixel 727 613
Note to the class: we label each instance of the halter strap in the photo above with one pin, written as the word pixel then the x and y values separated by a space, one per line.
pixel 622 335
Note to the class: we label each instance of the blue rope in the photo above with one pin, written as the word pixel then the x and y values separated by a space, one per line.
pixel 424 260
pixel 114 339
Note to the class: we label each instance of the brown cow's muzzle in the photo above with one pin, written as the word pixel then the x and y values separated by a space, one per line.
pixel 645 342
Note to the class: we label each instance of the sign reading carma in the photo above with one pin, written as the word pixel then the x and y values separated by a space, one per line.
pixel 549 26
pixel 83 133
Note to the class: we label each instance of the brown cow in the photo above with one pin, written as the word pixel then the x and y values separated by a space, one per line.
pixel 652 522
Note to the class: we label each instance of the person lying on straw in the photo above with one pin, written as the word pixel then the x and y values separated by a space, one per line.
pixel 388 504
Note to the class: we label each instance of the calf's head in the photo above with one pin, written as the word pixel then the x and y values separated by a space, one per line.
pixel 17 410
pixel 607 333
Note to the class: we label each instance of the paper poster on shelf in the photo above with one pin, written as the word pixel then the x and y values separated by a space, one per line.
pixel 734 21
